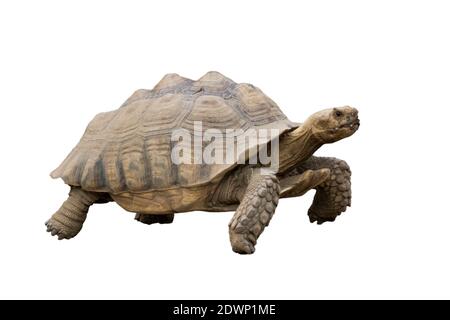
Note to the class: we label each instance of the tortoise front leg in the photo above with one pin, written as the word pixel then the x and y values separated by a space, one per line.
pixel 334 194
pixel 255 210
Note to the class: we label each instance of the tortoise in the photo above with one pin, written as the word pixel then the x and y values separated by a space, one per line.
pixel 126 156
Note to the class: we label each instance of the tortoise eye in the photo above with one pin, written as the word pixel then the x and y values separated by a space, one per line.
pixel 338 113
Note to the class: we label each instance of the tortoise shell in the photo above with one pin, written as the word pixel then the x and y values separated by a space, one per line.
pixel 129 149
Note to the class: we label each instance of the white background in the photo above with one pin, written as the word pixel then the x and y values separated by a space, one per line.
pixel 63 62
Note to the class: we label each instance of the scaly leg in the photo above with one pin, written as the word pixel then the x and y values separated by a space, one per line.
pixel 334 194
pixel 68 220
pixel 255 210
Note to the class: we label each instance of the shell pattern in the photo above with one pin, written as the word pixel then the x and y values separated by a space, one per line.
pixel 129 149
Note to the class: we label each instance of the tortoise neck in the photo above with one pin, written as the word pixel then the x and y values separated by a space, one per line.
pixel 297 146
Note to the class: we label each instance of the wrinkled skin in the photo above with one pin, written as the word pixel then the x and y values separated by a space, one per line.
pixel 331 125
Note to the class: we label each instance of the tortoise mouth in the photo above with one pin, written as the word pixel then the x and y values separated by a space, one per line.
pixel 353 125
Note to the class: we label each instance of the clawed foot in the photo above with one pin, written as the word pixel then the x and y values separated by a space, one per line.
pixel 313 217
pixel 242 243
pixel 58 229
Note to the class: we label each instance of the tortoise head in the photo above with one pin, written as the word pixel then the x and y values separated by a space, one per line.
pixel 331 125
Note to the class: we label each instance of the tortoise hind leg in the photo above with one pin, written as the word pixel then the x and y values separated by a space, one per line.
pixel 67 222
pixel 154 218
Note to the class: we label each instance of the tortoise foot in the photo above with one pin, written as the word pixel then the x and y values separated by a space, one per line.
pixel 241 244
pixel 154 218
pixel 313 217
pixel 62 231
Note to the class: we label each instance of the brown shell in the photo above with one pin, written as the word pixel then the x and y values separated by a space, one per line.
pixel 129 149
